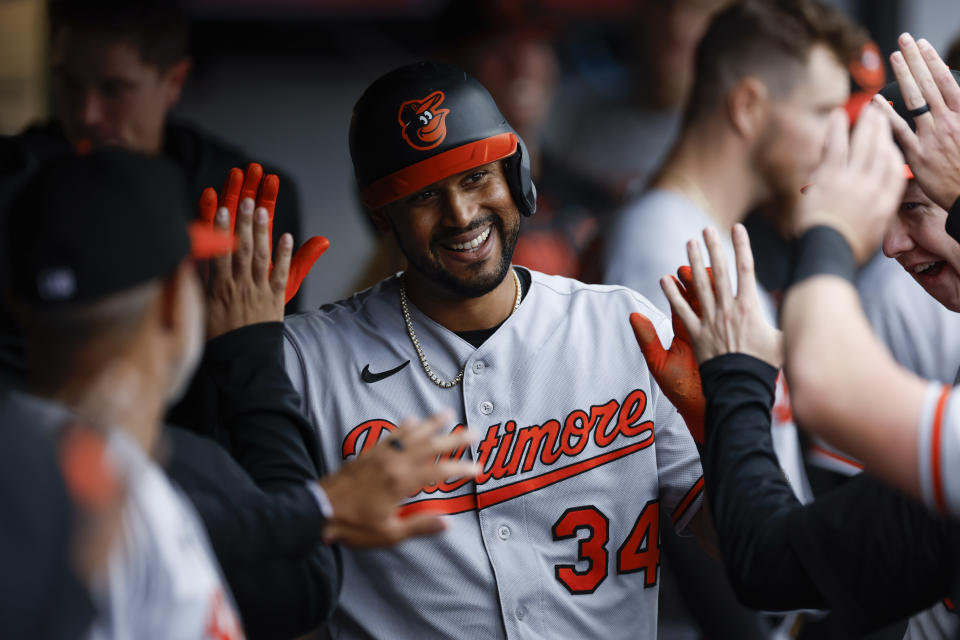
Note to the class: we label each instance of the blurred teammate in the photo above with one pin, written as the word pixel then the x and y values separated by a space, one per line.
pixel 767 75
pixel 118 68
pixel 116 345
pixel 900 425
pixel 839 222
pixel 921 334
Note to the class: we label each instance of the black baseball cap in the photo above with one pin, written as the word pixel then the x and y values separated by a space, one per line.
pixel 85 227
pixel 892 94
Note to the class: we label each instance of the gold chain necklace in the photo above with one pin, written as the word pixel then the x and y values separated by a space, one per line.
pixel 444 384
pixel 688 188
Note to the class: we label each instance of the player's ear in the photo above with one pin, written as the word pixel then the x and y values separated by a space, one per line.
pixel 747 106
pixel 176 295
pixel 380 219
pixel 174 78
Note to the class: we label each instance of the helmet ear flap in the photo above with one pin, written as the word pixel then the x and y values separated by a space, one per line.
pixel 517 170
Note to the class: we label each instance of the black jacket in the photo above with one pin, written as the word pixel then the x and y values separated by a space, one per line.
pixel 863 550
pixel 263 522
pixel 41 597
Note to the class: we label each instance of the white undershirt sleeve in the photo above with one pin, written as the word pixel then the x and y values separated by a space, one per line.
pixel 938 449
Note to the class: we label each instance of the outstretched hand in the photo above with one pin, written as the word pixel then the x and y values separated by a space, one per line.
pixel 933 151
pixel 253 185
pixel 725 323
pixel 366 492
pixel 243 288
pixel 675 370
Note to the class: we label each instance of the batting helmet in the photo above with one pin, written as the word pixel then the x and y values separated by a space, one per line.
pixel 425 122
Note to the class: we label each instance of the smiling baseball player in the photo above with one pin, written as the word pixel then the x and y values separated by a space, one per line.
pixel 583 458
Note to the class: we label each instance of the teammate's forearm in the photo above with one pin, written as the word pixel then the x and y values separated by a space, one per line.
pixel 259 407
pixel 750 498
pixel 845 386
pixel 255 527
pixel 905 563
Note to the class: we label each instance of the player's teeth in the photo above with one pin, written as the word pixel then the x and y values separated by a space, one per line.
pixel 473 244
pixel 920 268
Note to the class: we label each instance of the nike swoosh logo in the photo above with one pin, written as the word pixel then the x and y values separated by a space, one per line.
pixel 368 376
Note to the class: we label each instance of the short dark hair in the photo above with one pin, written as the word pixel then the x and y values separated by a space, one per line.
pixel 953 55
pixel 58 338
pixel 771 39
pixel 158 28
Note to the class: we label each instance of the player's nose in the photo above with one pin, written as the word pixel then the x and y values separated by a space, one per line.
pixel 91 111
pixel 459 209
pixel 897 238
pixel 91 108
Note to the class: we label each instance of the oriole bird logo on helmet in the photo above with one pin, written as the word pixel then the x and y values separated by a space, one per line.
pixel 449 123
pixel 423 122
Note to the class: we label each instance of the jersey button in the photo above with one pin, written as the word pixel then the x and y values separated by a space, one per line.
pixel 521 613
pixel 503 531
pixel 486 408
pixel 478 366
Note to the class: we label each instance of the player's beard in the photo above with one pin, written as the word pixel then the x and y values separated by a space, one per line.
pixel 482 283
pixel 781 185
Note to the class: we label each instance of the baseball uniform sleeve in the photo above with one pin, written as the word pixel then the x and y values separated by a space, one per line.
pixel 678 463
pixel 293 363
pixel 938 448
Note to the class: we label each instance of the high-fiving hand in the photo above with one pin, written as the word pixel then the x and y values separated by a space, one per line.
pixel 725 323
pixel 243 289
pixel 253 186
pixel 675 370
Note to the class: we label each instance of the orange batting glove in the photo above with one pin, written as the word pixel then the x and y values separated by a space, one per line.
pixel 263 190
pixel 676 369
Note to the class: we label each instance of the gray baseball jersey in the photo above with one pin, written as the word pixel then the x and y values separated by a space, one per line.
pixel 162 579
pixel 583 460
